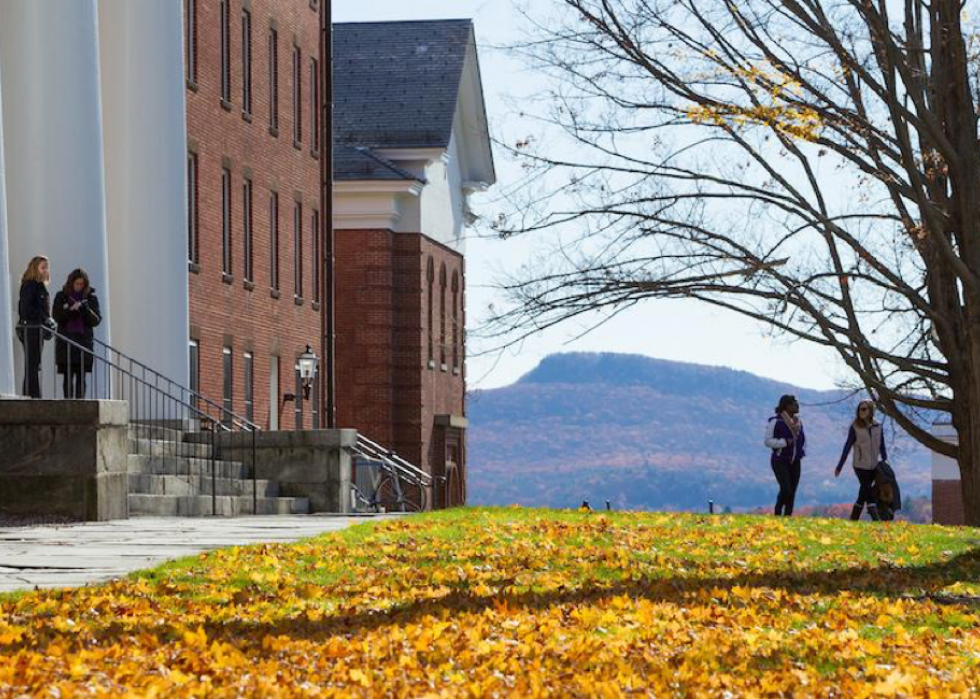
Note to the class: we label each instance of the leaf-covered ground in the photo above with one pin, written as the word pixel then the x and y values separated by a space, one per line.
pixel 527 603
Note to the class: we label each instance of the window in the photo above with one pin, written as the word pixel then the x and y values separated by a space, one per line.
pixel 274 81
pixel 190 39
pixel 193 245
pixel 274 241
pixel 228 381
pixel 226 220
pixel 456 329
pixel 246 62
pixel 429 278
pixel 249 376
pixel 248 270
pixel 297 95
pixel 299 399
pixel 274 402
pixel 315 105
pixel 317 262
pixel 225 51
pixel 298 249
pixel 442 317
pixel 193 352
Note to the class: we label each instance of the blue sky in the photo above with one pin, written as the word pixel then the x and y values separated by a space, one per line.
pixel 678 330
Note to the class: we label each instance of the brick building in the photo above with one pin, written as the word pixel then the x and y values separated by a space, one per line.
pixel 254 240
pixel 412 145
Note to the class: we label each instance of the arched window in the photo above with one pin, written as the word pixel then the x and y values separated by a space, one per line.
pixel 430 276
pixel 457 331
pixel 442 316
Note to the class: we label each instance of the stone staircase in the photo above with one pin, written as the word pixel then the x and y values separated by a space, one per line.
pixel 170 476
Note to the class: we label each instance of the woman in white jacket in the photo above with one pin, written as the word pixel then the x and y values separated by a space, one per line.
pixel 867 439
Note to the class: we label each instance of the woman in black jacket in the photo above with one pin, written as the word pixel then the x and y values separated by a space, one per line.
pixel 76 310
pixel 34 318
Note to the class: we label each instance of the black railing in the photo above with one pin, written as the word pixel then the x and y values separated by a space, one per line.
pixel 387 481
pixel 161 410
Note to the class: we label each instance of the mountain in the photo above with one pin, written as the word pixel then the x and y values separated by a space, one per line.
pixel 647 433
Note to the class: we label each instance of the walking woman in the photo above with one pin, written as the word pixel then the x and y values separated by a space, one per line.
pixel 785 436
pixel 868 441
pixel 76 310
pixel 34 319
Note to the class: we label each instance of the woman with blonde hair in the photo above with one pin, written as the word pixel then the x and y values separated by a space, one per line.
pixel 867 438
pixel 34 321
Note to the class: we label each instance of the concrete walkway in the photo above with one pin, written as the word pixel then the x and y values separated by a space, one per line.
pixel 82 554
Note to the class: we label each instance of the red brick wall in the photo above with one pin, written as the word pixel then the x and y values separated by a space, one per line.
pixel 385 385
pixel 947 503
pixel 365 332
pixel 224 311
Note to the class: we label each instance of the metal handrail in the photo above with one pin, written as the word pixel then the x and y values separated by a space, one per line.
pixel 160 398
pixel 405 469
pixel 245 423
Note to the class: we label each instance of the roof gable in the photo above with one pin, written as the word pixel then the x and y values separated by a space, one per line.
pixel 396 84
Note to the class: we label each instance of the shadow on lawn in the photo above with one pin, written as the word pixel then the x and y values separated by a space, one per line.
pixel 890 582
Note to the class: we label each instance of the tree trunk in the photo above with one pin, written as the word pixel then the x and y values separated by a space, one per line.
pixel 966 420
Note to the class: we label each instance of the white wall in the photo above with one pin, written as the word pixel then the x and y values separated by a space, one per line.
pixel 143 95
pixel 943 467
pixel 52 124
pixel 7 382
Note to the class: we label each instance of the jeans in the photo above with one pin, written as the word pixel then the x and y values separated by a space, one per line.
pixel 866 477
pixel 788 477
pixel 33 342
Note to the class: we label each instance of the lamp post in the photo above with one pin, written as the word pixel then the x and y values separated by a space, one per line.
pixel 308 365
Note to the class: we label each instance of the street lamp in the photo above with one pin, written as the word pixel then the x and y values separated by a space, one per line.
pixel 308 365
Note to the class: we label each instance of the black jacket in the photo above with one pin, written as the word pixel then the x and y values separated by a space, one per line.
pixel 90 314
pixel 885 474
pixel 33 307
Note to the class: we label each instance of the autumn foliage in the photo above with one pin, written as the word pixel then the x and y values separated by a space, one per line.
pixel 526 603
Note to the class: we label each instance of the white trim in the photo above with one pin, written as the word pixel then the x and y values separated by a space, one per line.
pixel 476 186
pixel 365 222
pixel 373 187
pixel 403 154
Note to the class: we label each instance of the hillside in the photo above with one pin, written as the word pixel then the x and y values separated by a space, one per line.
pixel 652 434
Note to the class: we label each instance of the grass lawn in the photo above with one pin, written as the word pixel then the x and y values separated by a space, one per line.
pixel 526 602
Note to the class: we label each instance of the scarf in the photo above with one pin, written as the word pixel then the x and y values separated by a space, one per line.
pixel 792 422
pixel 76 324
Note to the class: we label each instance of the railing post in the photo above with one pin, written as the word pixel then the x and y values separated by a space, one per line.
pixel 214 480
pixel 255 483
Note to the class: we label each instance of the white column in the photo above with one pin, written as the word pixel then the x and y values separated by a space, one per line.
pixel 143 99
pixel 52 126
pixel 7 382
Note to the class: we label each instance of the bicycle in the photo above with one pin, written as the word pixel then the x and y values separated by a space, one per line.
pixel 386 491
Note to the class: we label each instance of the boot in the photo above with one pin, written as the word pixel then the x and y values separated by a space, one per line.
pixel 856 512
pixel 873 511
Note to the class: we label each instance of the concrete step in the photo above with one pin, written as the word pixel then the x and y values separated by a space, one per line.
pixel 201 506
pixel 185 466
pixel 142 484
pixel 158 447
pixel 152 431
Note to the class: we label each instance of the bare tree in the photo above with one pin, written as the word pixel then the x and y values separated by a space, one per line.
pixel 811 164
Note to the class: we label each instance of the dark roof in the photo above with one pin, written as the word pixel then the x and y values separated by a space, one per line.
pixel 396 84
pixel 360 163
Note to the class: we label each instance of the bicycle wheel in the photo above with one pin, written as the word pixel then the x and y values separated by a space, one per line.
pixel 387 496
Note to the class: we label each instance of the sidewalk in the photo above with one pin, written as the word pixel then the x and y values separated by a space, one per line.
pixel 82 554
